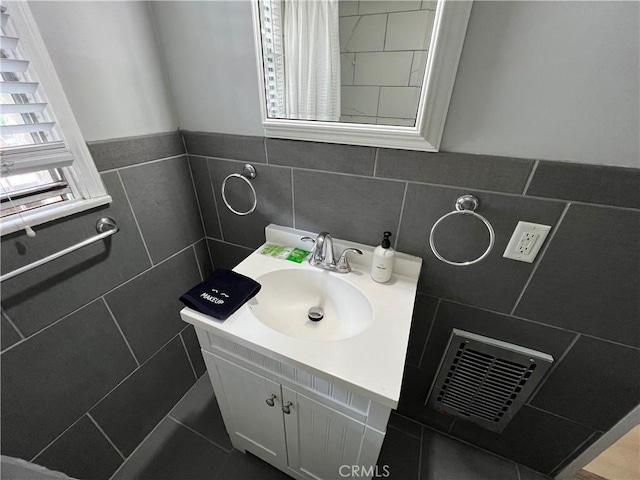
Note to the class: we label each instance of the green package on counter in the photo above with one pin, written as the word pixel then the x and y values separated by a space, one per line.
pixel 298 255
pixel 277 251
pixel 271 250
pixel 287 253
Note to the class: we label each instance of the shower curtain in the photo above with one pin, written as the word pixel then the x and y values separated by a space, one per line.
pixel 312 59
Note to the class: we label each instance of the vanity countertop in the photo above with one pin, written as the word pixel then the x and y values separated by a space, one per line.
pixel 371 362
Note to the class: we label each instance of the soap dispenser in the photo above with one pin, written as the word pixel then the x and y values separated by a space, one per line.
pixel 383 258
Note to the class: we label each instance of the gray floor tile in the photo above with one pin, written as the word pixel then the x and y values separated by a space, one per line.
pixel 244 466
pixel 321 156
pixel 164 201
pixel 444 458
pixel 494 283
pixel 52 379
pixel 273 196
pixel 199 411
pixel 173 452
pixel 484 172
pixel 122 152
pixel 82 452
pixel 225 255
pixel 66 284
pixel 147 308
pixel 352 208
pixel 133 409
pixel 528 474
pixel 208 210
pixel 587 183
pixel 596 384
pixel 400 456
pixel 590 286
pixel 405 424
pixel 533 438
pixel 220 145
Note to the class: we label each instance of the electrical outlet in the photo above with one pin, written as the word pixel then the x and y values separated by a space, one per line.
pixel 526 241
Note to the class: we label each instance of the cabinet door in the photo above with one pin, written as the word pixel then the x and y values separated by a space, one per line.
pixel 319 439
pixel 256 425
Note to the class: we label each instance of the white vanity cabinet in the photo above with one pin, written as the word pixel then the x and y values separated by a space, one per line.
pixel 308 425
pixel 302 395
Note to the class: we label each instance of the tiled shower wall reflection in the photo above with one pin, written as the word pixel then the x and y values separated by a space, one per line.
pixel 577 302
pixel 383 52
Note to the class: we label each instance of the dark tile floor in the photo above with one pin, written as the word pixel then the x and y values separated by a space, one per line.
pixel 191 444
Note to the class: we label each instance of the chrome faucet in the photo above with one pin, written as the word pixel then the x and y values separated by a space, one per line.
pixel 322 255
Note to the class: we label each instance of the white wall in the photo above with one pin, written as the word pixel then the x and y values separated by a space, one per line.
pixel 550 80
pixel 110 66
pixel 210 58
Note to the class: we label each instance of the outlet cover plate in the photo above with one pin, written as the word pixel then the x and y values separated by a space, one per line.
pixel 526 241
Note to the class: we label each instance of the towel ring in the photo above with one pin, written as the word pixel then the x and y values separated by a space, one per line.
pixel 465 205
pixel 248 173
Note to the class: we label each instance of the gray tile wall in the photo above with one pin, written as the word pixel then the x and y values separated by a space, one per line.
pixel 94 353
pixel 578 301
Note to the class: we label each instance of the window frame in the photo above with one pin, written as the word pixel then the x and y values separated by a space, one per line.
pixel 83 176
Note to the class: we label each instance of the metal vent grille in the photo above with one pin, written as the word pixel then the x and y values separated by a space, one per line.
pixel 484 380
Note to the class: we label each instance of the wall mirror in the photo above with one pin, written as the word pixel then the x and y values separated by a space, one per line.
pixel 363 72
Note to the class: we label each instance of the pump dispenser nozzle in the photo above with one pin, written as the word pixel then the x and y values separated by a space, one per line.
pixel 386 243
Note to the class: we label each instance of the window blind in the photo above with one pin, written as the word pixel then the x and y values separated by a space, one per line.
pixel 273 57
pixel 28 138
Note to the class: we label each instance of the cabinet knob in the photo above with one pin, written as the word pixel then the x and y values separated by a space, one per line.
pixel 286 408
pixel 270 401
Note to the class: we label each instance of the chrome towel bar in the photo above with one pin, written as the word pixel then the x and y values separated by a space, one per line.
pixel 105 227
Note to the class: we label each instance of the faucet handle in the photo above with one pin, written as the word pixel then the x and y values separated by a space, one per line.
pixel 343 264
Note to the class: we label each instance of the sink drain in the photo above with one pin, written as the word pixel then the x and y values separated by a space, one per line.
pixel 315 314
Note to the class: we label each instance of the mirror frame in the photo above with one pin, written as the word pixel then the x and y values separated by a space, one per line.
pixel 447 39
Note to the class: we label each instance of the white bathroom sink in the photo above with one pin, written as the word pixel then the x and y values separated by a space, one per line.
pixel 287 295
pixel 362 339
